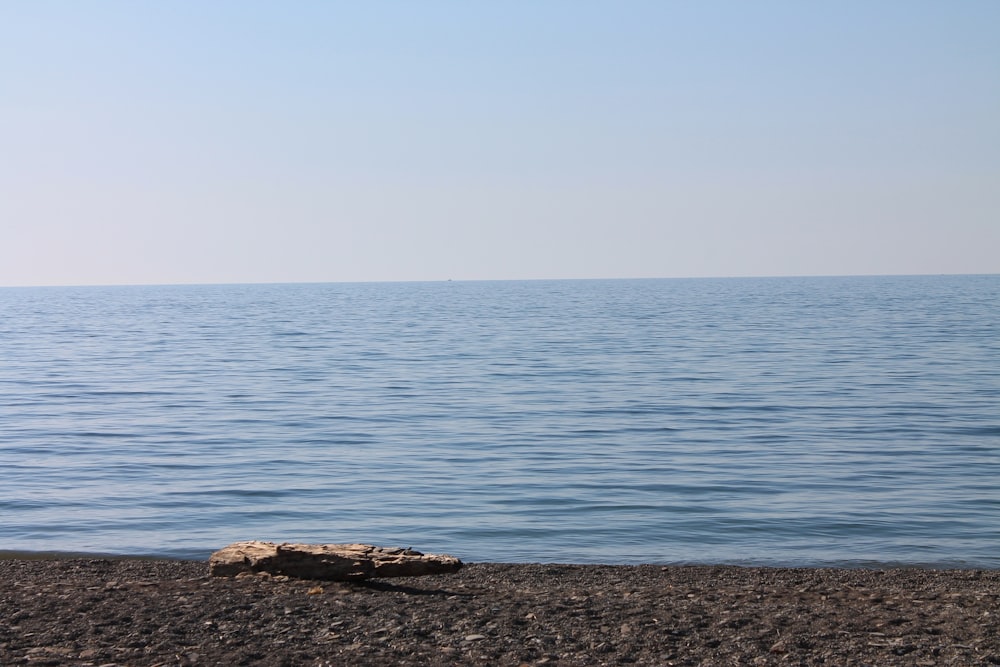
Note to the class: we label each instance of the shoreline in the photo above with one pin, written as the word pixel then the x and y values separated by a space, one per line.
pixel 94 610
pixel 948 566
pixel 14 554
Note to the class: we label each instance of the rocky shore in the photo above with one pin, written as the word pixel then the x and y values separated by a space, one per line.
pixel 103 612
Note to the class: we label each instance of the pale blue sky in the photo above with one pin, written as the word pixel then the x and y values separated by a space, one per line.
pixel 190 141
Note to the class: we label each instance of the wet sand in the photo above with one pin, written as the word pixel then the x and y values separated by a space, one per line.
pixel 102 612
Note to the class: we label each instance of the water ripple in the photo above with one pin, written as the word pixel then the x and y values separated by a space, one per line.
pixel 776 421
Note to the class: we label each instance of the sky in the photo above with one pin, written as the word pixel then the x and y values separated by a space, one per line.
pixel 239 141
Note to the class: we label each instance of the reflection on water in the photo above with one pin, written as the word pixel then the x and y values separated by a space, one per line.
pixel 802 421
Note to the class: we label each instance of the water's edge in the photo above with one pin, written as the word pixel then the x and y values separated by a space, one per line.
pixel 9 555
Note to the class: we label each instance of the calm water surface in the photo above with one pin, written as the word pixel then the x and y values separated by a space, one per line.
pixel 806 421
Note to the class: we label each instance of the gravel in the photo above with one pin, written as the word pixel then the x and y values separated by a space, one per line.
pixel 131 612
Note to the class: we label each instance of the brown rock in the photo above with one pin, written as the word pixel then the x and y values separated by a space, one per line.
pixel 331 562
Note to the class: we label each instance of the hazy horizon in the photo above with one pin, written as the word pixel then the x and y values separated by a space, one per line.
pixel 488 280
pixel 247 142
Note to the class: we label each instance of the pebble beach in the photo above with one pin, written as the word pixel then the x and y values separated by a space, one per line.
pixel 104 612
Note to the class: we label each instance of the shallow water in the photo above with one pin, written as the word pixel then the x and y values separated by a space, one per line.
pixel 803 421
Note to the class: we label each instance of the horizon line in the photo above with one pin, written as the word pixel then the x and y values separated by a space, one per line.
pixel 486 280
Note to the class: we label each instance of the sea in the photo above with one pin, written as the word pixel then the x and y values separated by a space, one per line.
pixel 820 421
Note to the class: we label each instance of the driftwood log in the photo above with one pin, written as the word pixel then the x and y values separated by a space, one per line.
pixel 330 562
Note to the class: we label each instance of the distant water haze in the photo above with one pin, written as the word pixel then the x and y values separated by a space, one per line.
pixel 804 421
